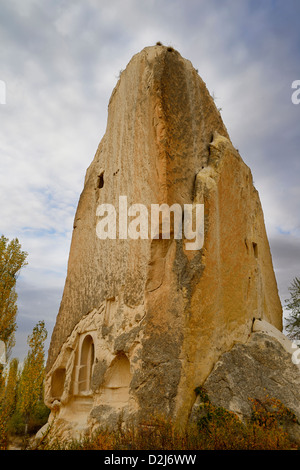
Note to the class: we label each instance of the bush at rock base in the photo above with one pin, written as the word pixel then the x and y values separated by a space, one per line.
pixel 215 429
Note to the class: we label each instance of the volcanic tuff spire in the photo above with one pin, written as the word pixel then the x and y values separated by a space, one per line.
pixel 142 322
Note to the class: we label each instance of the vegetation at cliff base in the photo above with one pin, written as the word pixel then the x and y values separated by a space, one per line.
pixel 214 428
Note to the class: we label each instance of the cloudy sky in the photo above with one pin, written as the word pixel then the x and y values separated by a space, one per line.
pixel 59 61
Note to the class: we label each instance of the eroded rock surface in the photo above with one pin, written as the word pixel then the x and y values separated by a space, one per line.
pixel 142 322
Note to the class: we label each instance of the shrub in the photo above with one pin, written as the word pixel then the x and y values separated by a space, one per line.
pixel 222 429
pixel 216 429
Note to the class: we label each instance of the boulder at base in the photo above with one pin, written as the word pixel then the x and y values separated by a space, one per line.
pixel 267 365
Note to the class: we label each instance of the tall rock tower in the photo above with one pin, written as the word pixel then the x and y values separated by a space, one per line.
pixel 143 320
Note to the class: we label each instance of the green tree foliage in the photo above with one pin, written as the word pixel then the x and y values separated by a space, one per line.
pixel 293 305
pixel 30 390
pixel 8 395
pixel 22 405
pixel 12 259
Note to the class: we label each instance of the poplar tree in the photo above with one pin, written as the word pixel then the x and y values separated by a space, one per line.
pixel 8 395
pixel 12 260
pixel 30 389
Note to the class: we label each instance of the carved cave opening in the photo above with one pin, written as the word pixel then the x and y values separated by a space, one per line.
pixel 57 382
pixel 255 249
pixel 84 367
pixel 115 389
pixel 100 183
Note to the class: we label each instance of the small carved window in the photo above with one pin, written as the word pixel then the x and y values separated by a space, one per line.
pixel 86 364
pixel 100 182
pixel 57 382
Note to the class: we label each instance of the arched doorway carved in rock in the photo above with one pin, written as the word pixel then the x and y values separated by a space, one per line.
pixel 84 368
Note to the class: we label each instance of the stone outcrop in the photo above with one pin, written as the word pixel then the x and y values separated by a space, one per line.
pixel 267 365
pixel 142 322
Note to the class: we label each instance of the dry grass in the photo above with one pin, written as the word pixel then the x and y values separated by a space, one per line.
pixel 216 429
